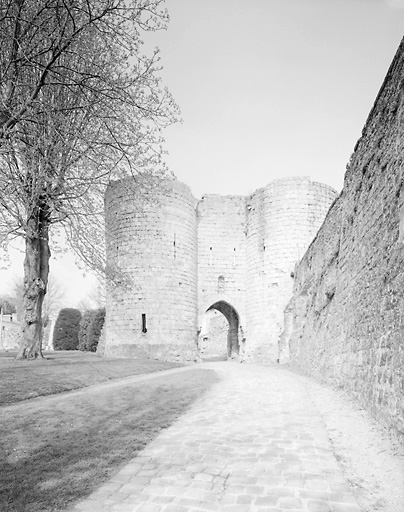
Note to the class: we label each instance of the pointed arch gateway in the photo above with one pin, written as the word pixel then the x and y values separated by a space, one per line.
pixel 233 320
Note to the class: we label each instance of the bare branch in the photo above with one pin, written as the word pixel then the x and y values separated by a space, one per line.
pixel 79 106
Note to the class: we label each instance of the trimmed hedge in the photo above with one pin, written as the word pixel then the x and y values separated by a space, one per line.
pixel 85 322
pixel 66 332
pixel 90 329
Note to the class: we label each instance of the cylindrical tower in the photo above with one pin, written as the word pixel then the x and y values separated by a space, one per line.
pixel 151 241
pixel 283 218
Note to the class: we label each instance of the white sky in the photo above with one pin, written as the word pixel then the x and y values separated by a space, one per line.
pixel 272 88
pixel 267 89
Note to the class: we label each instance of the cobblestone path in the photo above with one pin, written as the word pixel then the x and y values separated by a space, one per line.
pixel 255 442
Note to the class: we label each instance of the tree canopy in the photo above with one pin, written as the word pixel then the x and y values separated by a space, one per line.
pixel 7 305
pixel 80 105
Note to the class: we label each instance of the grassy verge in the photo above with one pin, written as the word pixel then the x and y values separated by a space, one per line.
pixel 64 371
pixel 56 451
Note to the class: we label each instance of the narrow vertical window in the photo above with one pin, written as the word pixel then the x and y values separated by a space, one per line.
pixel 210 256
pixel 144 328
pixel 221 284
pixel 234 257
pixel 175 248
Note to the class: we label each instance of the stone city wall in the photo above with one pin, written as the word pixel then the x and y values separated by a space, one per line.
pixel 345 322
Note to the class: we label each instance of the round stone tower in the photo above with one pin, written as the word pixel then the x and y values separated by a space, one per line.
pixel 151 243
pixel 282 220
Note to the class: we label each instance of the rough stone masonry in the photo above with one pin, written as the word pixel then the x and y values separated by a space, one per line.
pixel 345 322
pixel 184 258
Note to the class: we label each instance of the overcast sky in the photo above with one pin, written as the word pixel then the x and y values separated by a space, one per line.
pixel 272 88
pixel 267 89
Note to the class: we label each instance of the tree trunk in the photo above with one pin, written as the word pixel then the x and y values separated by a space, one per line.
pixel 36 271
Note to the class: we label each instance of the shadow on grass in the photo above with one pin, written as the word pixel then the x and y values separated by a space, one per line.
pixel 56 455
pixel 64 371
pixel 56 474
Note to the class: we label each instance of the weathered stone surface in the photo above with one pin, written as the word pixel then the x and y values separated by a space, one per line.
pixel 348 298
pixel 152 239
pixel 283 218
pixel 234 254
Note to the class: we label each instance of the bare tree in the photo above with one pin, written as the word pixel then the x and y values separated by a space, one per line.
pixel 79 105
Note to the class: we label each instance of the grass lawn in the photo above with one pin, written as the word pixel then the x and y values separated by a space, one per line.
pixel 64 371
pixel 57 450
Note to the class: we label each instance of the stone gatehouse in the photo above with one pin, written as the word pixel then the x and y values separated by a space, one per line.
pixel 186 258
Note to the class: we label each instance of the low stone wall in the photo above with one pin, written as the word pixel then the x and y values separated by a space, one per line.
pixel 345 321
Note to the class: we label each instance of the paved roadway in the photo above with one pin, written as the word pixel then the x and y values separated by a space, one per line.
pixel 254 442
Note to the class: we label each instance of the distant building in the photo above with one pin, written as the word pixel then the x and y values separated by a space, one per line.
pixel 10 332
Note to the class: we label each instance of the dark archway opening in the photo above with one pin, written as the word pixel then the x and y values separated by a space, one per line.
pixel 212 342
